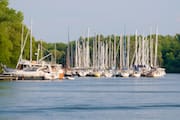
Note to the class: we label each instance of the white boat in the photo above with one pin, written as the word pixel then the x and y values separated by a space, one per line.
pixel 30 73
pixel 82 73
pixel 136 74
pixel 107 74
pixel 156 72
pixel 52 71
pixel 97 74
pixel 124 73
pixel 38 71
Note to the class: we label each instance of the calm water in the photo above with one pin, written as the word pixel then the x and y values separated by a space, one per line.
pixel 92 99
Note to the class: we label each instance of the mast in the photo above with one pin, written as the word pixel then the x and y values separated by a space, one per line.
pixel 23 43
pixel 114 64
pixel 128 50
pixel 84 52
pixel 134 57
pixel 143 50
pixel 156 44
pixel 76 53
pixel 22 40
pixel 31 44
pixel 37 54
pixel 136 49
pixel 109 52
pixel 124 50
pixel 151 48
pixel 88 54
pixel 125 54
pixel 68 54
pixel 93 54
pixel 71 55
pixel 121 53
pixel 102 55
pixel 70 50
pixel 41 50
pixel 147 51
pixel 139 51
pixel 106 54
pixel 22 34
pixel 99 51
pixel 55 53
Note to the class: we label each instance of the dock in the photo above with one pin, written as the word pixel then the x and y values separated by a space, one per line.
pixel 8 77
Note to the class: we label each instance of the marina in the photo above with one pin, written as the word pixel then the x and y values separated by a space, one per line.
pixel 96 56
pixel 115 55
pixel 89 60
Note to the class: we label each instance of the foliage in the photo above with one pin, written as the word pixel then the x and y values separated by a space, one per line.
pixel 10 22
pixel 171 53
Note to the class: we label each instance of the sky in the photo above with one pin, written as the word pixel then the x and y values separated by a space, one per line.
pixel 51 19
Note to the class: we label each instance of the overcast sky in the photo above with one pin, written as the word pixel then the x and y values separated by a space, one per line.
pixel 51 18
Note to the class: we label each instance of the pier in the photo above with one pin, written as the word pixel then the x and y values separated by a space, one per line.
pixel 8 77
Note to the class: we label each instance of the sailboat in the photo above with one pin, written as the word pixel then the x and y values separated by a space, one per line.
pixel 136 69
pixel 125 69
pixel 29 69
pixel 156 71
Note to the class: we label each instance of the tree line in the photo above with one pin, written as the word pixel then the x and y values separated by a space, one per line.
pixel 11 22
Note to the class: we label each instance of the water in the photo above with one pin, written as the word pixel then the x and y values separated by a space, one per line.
pixel 92 99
